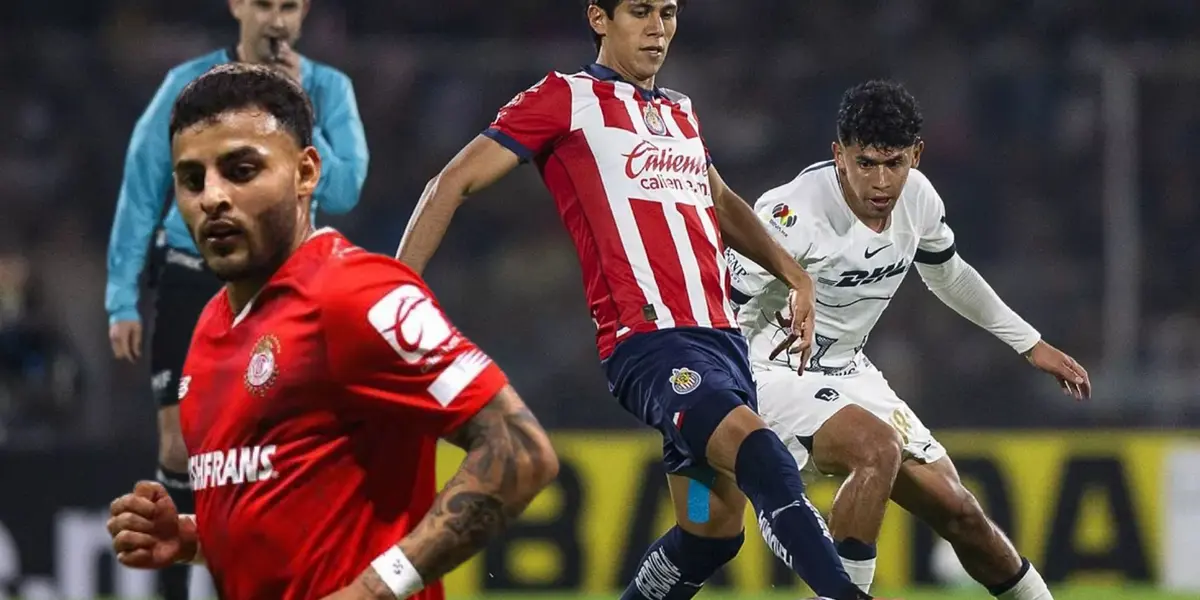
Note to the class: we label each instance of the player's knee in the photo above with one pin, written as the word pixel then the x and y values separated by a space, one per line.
pixel 725 520
pixel 727 438
pixel 855 440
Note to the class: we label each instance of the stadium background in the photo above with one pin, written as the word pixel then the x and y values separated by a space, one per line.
pixel 1061 135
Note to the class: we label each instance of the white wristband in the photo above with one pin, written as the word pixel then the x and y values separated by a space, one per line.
pixel 394 568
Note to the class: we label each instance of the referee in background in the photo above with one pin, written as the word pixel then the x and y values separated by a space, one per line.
pixel 268 31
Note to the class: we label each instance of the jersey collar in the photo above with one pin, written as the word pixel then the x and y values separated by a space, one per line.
pixel 604 73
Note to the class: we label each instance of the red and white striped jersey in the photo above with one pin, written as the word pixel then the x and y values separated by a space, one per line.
pixel 628 170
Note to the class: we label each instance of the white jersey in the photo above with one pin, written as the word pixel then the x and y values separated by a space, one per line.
pixel 856 270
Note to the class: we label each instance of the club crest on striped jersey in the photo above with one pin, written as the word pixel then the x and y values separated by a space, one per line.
pixel 653 119
pixel 684 380
pixel 264 366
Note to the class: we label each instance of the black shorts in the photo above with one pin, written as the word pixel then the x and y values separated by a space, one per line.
pixel 683 382
pixel 184 286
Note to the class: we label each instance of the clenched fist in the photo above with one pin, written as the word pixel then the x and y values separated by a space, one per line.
pixel 148 532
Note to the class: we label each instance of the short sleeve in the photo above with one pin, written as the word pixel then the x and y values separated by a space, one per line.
pixel 392 348
pixel 775 210
pixel 936 245
pixel 534 119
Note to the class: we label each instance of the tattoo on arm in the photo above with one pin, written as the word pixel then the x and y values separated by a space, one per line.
pixel 509 460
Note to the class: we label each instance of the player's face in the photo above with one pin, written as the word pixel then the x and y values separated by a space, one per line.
pixel 263 20
pixel 638 35
pixel 875 176
pixel 244 187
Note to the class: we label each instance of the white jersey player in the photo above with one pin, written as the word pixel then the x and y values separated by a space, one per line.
pixel 858 223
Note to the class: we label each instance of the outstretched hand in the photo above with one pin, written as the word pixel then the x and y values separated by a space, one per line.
pixel 1071 376
pixel 799 326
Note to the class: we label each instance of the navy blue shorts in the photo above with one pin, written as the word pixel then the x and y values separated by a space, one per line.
pixel 683 382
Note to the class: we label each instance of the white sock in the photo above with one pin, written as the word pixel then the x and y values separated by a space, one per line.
pixel 861 572
pixel 1029 587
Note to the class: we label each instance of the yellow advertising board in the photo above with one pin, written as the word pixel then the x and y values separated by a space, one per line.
pixel 1083 506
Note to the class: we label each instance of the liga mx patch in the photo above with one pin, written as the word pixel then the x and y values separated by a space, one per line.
pixel 263 368
pixel 684 380
pixel 653 120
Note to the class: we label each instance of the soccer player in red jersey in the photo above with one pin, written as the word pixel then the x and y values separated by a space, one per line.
pixel 628 168
pixel 318 383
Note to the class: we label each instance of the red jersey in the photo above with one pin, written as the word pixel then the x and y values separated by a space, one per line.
pixel 628 170
pixel 312 418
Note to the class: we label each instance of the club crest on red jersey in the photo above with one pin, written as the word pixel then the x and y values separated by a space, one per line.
pixel 653 120
pixel 263 368
pixel 684 380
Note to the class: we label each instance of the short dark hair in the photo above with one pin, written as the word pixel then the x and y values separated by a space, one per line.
pixel 879 114
pixel 609 7
pixel 235 86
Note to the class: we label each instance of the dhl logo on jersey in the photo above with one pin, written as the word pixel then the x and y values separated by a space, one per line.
pixel 234 466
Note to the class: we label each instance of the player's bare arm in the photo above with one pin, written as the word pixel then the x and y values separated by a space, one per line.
pixel 478 165
pixel 742 230
pixel 509 460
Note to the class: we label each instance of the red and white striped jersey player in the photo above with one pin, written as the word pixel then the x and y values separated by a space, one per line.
pixel 627 166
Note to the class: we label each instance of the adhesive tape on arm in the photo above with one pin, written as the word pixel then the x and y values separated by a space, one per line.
pixel 398 573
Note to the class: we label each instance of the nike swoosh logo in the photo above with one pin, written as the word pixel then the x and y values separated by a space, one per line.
pixel 775 513
pixel 868 254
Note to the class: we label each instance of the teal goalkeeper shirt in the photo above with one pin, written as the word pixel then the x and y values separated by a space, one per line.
pixel 147 185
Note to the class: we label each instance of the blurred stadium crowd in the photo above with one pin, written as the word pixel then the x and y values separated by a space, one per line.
pixel 1012 96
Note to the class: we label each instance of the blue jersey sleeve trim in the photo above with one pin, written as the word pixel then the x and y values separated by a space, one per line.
pixel 525 154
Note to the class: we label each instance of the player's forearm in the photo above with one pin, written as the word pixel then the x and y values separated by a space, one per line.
pixel 744 232
pixel 429 222
pixel 509 461
pixel 959 286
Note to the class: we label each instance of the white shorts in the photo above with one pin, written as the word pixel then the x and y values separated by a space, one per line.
pixel 795 407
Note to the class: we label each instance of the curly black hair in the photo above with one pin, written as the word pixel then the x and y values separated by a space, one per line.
pixel 609 7
pixel 234 86
pixel 879 114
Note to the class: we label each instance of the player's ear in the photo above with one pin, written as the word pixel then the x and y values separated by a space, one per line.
pixel 836 149
pixel 917 150
pixel 598 19
pixel 308 172
pixel 233 7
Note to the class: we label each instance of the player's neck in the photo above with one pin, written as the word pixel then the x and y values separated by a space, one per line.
pixel 605 60
pixel 242 292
